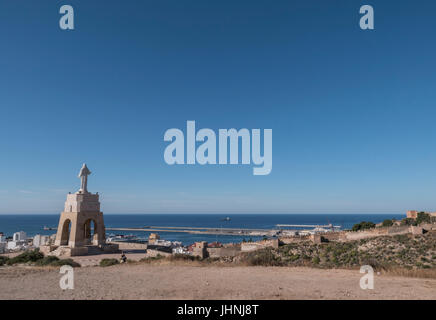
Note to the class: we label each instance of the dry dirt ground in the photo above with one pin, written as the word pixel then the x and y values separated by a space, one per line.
pixel 182 281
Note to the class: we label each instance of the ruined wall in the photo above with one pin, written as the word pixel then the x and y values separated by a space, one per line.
pixel 394 230
pixel 153 253
pixel 223 252
pixel 332 236
pixel 252 246
pixel 295 239
pixel 131 246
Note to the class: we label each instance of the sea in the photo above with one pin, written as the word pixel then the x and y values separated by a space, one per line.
pixel 34 224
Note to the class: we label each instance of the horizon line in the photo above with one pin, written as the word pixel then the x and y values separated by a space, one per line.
pixel 215 213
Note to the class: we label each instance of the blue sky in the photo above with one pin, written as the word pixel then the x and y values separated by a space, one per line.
pixel 352 111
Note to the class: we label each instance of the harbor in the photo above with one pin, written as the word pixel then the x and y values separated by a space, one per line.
pixel 279 230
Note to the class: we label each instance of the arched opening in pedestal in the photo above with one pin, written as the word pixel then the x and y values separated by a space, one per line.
pixel 91 233
pixel 65 236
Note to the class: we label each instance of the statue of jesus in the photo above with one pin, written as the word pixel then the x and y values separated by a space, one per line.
pixel 83 175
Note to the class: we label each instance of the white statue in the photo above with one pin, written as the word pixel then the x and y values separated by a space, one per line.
pixel 83 175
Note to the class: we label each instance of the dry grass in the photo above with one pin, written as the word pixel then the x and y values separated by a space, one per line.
pixel 411 273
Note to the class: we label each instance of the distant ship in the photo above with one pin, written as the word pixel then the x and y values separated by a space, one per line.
pixel 49 228
pixel 226 219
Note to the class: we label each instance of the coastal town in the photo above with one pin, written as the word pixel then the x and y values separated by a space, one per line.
pixel 154 245
pixel 405 247
pixel 81 232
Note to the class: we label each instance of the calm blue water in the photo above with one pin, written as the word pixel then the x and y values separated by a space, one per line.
pixel 34 224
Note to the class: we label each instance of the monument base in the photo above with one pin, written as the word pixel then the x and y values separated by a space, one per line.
pixel 66 251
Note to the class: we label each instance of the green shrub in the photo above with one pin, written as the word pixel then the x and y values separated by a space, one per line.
pixel 108 262
pixel 149 259
pixel 25 257
pixel 407 221
pixel 263 257
pixel 373 263
pixel 423 218
pixel 316 260
pixel 387 223
pixel 402 238
pixel 47 261
pixel 180 256
pixel 3 260
pixel 63 262
pixel 363 225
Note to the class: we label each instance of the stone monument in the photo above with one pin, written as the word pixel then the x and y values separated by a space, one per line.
pixel 81 228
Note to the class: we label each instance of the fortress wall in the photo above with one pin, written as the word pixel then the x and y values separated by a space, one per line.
pixel 222 252
pixel 252 246
pixel 131 245
pixel 154 253
pixel 376 232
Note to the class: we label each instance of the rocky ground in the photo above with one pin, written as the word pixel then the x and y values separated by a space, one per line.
pixel 383 253
pixel 405 268
pixel 191 281
pixel 160 281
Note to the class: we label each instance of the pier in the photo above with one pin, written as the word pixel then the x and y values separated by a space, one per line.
pixel 200 230
pixel 279 229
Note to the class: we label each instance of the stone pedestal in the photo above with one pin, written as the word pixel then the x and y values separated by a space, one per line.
pixel 81 228
pixel 81 214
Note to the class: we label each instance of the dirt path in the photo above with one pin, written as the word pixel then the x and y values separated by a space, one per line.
pixel 211 282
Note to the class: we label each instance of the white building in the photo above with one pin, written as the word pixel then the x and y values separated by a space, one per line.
pixel 40 240
pixel 19 236
pixel 180 250
pixel 19 241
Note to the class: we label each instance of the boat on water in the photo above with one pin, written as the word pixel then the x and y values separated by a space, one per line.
pixel 226 219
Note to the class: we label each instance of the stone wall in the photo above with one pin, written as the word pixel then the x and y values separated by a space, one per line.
pixel 296 239
pixel 253 246
pixel 332 236
pixel 154 253
pixel 200 249
pixel 131 246
pixel 223 252
pixel 376 232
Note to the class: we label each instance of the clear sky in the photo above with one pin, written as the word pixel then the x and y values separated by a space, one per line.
pixel 352 112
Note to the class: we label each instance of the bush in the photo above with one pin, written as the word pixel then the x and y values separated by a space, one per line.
pixel 25 257
pixel 423 218
pixel 108 262
pixel 263 257
pixel 407 221
pixel 179 256
pixel 374 263
pixel 37 258
pixel 149 259
pixel 67 262
pixel 47 261
pixel 387 223
pixel 3 260
pixel 363 225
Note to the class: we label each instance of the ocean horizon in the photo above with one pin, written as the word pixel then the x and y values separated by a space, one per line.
pixel 34 224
